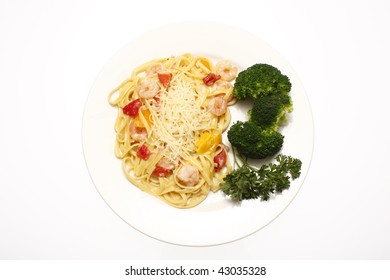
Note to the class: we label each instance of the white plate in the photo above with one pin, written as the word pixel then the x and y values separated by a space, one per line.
pixel 216 220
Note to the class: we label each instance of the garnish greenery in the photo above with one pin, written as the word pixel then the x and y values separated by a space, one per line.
pixel 259 137
pixel 259 80
pixel 248 182
pixel 252 141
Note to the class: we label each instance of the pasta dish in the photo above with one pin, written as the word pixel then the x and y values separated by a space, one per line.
pixel 171 116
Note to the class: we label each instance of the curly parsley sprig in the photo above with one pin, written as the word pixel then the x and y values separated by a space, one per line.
pixel 248 182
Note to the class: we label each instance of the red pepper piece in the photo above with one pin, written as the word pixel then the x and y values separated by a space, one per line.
pixel 165 79
pixel 143 152
pixel 160 171
pixel 210 79
pixel 132 108
pixel 220 160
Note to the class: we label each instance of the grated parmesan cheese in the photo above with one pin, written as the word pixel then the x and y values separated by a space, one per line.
pixel 181 117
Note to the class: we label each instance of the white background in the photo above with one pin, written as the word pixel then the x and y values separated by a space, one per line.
pixel 50 54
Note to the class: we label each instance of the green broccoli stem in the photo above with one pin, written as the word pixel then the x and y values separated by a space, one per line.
pixel 240 160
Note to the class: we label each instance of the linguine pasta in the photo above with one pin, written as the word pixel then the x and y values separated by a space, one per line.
pixel 171 115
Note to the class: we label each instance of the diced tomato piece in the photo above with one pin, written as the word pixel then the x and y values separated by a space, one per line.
pixel 160 171
pixel 210 79
pixel 220 160
pixel 165 79
pixel 157 98
pixel 132 108
pixel 163 167
pixel 143 152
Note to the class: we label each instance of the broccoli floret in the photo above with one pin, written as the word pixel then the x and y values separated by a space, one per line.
pixel 259 80
pixel 254 142
pixel 269 111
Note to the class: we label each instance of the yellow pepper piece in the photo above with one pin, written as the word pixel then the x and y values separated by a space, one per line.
pixel 146 114
pixel 208 142
pixel 204 64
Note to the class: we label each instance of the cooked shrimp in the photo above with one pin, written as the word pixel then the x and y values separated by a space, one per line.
pixel 218 105
pixel 148 88
pixel 188 175
pixel 223 85
pixel 155 68
pixel 139 134
pixel 226 70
